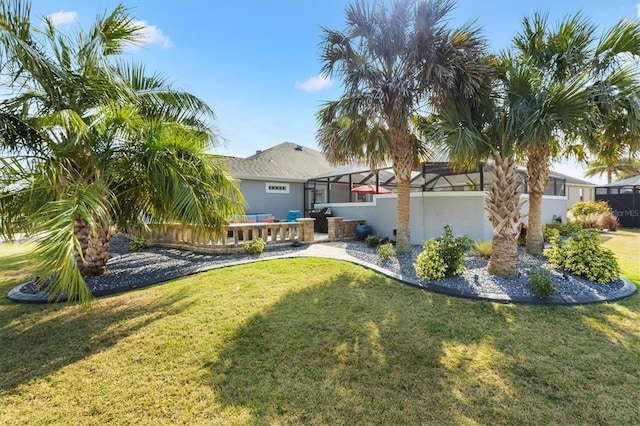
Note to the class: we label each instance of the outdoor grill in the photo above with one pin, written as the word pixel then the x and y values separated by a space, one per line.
pixel 320 215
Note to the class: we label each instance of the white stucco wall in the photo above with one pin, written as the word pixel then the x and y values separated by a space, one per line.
pixel 430 211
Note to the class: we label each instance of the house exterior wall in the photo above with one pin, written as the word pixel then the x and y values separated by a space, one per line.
pixel 430 211
pixel 573 194
pixel 278 204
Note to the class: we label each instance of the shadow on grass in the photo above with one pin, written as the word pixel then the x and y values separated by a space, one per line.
pixel 54 336
pixel 371 351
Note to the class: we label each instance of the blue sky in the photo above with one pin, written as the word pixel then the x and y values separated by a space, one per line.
pixel 256 62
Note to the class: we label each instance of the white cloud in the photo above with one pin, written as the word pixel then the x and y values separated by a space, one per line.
pixel 638 7
pixel 62 17
pixel 315 83
pixel 149 34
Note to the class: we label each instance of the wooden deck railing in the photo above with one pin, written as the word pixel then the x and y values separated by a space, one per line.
pixel 232 236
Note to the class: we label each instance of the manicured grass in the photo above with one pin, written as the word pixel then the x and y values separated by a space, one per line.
pixel 314 341
pixel 625 243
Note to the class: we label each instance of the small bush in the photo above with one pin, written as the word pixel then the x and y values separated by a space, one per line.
pixel 138 243
pixel 593 214
pixel 482 249
pixel 443 256
pixel 541 282
pixel 551 235
pixel 372 240
pixel 608 221
pixel 566 229
pixel 585 208
pixel 254 246
pixel 583 255
pixel 430 264
pixel 386 251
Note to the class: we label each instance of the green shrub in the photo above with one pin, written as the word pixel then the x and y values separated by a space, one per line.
pixel 386 251
pixel 372 240
pixel 551 235
pixel 583 255
pixel 482 249
pixel 444 256
pixel 255 246
pixel 138 243
pixel 430 264
pixel 566 229
pixel 593 214
pixel 541 282
pixel 585 208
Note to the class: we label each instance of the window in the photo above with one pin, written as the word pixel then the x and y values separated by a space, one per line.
pixel 277 188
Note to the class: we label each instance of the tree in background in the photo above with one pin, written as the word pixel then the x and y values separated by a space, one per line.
pixel 93 143
pixel 616 144
pixel 622 168
pixel 567 59
pixel 393 62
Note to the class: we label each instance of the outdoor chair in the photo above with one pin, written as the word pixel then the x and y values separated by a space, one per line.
pixel 293 215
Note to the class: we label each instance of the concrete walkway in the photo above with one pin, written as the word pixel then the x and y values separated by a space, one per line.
pixel 337 250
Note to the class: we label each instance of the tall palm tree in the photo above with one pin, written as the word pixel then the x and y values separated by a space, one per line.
pixel 107 145
pixel 393 63
pixel 569 59
pixel 486 127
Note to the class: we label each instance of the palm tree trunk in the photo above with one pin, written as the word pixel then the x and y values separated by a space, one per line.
pixel 95 248
pixel 537 179
pixel 503 205
pixel 402 162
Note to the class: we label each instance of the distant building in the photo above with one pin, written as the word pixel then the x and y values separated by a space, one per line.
pixel 577 189
pixel 273 181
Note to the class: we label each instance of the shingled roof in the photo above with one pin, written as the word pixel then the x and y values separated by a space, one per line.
pixel 285 162
pixel 570 180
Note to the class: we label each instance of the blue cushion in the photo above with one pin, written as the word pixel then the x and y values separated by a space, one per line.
pixel 263 216
pixel 293 215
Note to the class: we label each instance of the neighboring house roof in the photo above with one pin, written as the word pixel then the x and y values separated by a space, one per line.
pixel 632 181
pixel 570 180
pixel 287 162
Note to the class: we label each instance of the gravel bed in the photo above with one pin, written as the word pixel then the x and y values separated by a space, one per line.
pixel 476 279
pixel 133 269
pixel 128 270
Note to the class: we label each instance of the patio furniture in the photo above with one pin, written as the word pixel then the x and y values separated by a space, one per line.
pixel 293 215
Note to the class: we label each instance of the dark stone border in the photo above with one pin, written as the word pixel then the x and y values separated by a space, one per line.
pixel 627 290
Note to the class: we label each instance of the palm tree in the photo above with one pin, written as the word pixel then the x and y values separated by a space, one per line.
pixel 614 165
pixel 615 145
pixel 107 145
pixel 393 63
pixel 487 127
pixel 568 59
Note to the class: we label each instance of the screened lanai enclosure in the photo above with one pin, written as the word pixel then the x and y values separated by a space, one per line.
pixel 338 185
pixel 439 195
pixel 624 199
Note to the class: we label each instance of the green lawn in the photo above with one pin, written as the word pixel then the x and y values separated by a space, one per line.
pixel 314 341
pixel 626 244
